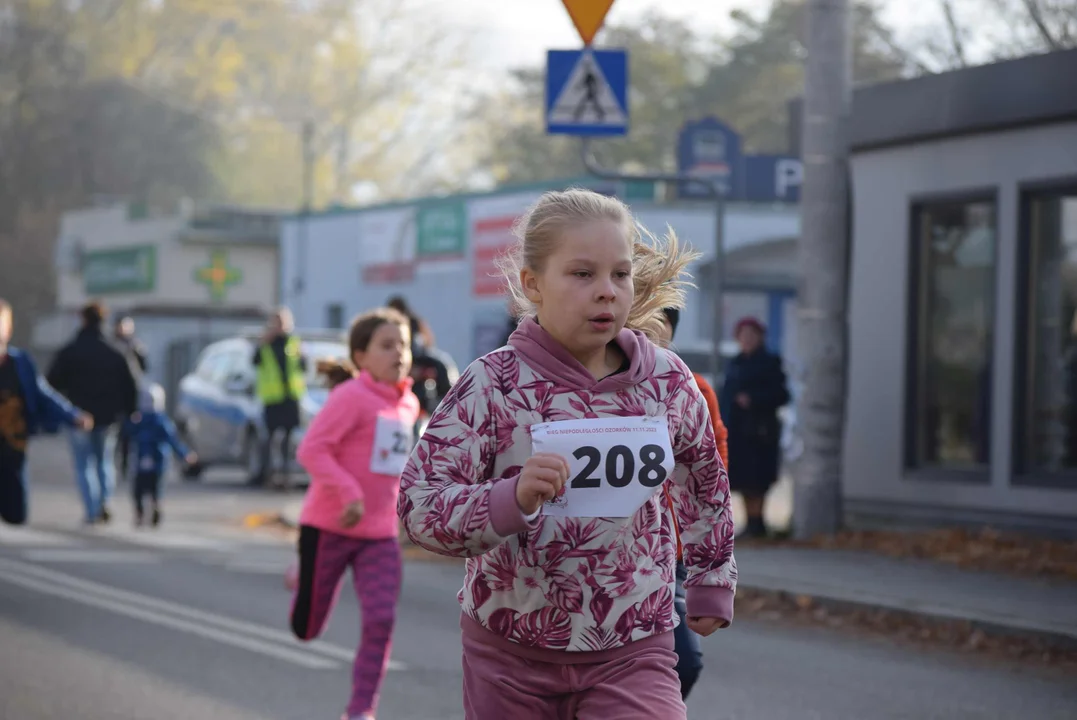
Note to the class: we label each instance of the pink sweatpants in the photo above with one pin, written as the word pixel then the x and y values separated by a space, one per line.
pixel 376 572
pixel 639 684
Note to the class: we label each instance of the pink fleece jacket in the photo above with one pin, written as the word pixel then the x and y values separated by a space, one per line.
pixel 351 448
pixel 576 584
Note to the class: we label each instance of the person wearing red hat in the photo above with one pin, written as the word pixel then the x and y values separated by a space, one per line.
pixel 754 389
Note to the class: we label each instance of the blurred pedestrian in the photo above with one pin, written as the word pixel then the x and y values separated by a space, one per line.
pixel 152 436
pixel 94 375
pixel 433 371
pixel 123 331
pixel 28 406
pixel 280 385
pixel 754 390
pixel 354 451
pixel 685 642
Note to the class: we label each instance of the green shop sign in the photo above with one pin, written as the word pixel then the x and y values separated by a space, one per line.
pixel 442 231
pixel 130 270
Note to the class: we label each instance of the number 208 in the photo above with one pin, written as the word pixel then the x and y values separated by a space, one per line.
pixel 621 466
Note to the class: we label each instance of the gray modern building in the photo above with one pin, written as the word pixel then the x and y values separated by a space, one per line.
pixel 962 385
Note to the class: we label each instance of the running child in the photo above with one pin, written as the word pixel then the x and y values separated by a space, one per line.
pixel 354 451
pixel 28 406
pixel 151 434
pixel 685 642
pixel 544 467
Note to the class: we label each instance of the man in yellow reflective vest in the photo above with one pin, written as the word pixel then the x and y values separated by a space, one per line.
pixel 280 384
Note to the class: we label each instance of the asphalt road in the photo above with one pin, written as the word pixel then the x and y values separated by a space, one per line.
pixel 190 622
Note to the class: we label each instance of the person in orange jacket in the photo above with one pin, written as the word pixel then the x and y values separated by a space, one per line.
pixel 685 642
pixel 721 435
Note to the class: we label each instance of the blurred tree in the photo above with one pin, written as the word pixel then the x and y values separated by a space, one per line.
pixel 677 74
pixel 978 31
pixel 368 75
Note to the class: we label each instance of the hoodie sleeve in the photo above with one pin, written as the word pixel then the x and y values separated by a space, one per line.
pixel 169 430
pixel 448 502
pixel 54 409
pixel 337 419
pixel 700 492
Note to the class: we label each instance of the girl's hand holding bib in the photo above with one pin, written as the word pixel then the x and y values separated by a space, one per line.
pixel 542 479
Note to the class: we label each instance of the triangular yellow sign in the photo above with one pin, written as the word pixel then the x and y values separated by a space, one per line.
pixel 588 15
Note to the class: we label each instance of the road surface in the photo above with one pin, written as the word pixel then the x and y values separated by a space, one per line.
pixel 190 622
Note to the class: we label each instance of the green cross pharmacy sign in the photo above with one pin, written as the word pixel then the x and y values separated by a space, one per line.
pixel 218 275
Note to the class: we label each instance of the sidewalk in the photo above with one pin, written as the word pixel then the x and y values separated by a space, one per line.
pixel 1000 603
pixel 1031 607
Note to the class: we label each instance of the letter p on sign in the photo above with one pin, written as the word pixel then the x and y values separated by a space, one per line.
pixel 788 173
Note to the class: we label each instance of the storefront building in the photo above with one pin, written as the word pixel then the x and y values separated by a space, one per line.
pixel 962 385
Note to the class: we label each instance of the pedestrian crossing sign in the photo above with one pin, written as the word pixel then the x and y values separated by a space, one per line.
pixel 587 92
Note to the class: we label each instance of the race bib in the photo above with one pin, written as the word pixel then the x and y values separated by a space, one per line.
pixel 392 445
pixel 615 464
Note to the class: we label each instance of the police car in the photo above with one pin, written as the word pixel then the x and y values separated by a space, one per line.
pixel 217 412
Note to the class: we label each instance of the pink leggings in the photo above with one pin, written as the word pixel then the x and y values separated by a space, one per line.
pixel 376 569
pixel 637 685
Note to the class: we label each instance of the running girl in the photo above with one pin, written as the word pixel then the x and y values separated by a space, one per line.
pixel 544 466
pixel 354 450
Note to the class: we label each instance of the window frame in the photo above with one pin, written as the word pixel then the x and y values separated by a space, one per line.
pixel 1023 474
pixel 917 204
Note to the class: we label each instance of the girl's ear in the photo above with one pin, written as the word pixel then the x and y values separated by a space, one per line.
pixel 529 283
pixel 357 359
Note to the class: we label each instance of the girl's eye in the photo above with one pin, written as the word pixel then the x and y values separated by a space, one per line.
pixel 582 273
pixel 622 274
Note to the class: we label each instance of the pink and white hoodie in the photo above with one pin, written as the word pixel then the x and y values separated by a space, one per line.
pixel 569 584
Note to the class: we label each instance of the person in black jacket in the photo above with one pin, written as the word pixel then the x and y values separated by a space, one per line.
pixel 754 390
pixel 123 331
pixel 95 376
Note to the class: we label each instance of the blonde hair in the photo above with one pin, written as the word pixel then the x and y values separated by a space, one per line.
pixel 659 265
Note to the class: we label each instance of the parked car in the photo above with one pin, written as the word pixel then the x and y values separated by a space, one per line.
pixel 217 412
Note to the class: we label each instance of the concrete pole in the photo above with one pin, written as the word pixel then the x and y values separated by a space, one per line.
pixel 824 251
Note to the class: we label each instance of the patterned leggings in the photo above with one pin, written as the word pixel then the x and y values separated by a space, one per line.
pixel 376 571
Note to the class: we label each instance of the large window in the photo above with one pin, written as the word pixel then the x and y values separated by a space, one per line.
pixel 952 327
pixel 1048 433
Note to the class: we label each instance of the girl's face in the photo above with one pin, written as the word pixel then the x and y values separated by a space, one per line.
pixel 388 356
pixel 584 292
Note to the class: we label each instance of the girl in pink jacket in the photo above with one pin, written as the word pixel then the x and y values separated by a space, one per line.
pixel 354 451
pixel 545 468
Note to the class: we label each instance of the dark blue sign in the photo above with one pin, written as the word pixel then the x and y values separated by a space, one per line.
pixel 710 148
pixel 772 178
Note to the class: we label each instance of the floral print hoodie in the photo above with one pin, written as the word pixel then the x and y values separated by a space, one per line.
pixel 567 583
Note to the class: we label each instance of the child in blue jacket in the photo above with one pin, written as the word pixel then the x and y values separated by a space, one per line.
pixel 28 406
pixel 152 435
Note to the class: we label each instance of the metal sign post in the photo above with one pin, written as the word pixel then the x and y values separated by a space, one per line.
pixel 715 190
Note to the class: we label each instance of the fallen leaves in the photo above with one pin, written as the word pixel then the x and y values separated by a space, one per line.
pixel 986 549
pixel 956 635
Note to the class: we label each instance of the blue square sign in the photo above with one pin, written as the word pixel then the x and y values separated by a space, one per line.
pixel 587 92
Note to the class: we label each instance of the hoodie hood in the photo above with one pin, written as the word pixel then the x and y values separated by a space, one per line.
pixel 550 358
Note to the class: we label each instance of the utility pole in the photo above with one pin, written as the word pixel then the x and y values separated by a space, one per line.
pixel 299 286
pixel 824 251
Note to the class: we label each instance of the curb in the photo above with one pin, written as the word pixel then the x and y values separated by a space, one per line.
pixel 1058 637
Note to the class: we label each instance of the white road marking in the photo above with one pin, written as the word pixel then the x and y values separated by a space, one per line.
pixel 86 555
pixel 307 660
pixel 28 537
pixel 85 588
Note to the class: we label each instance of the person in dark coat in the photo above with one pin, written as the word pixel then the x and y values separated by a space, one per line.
pixel 94 375
pixel 433 371
pixel 123 333
pixel 755 388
